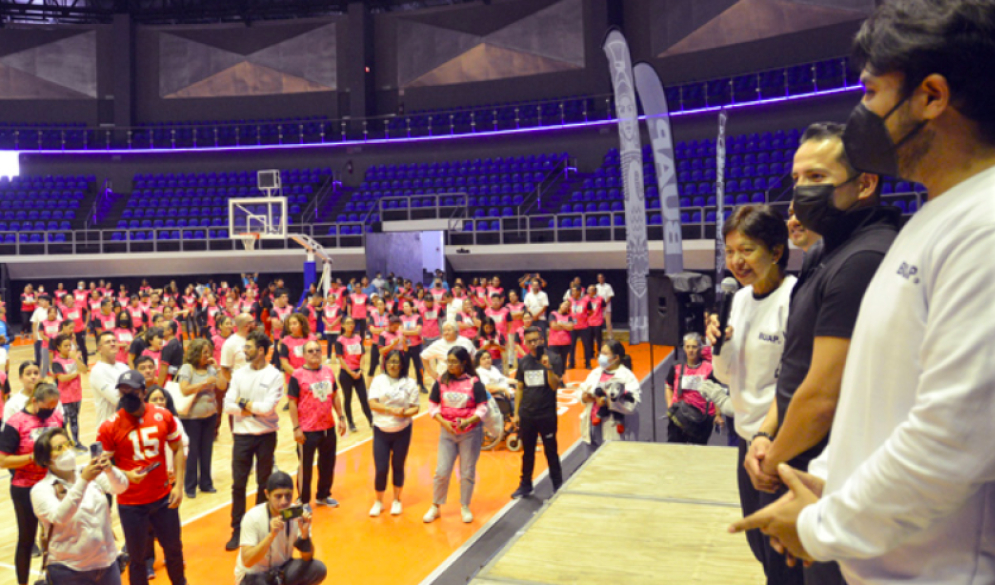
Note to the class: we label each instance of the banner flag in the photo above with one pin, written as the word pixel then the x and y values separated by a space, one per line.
pixel 720 195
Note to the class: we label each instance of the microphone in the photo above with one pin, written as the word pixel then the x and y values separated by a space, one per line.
pixel 729 286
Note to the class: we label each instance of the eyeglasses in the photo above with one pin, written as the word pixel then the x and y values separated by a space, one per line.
pixel 313 350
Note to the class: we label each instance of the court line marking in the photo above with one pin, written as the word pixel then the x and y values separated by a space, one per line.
pixel 651 498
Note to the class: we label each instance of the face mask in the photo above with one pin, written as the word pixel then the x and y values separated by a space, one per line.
pixel 868 144
pixel 814 206
pixel 66 461
pixel 603 361
pixel 44 413
pixel 131 404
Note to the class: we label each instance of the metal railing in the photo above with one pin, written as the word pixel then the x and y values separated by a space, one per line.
pixel 103 196
pixel 313 207
pixel 436 210
pixel 792 81
pixel 552 180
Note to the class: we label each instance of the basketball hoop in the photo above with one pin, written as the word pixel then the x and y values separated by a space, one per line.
pixel 248 239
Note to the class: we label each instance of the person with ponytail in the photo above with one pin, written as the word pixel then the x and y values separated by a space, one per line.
pixel 610 393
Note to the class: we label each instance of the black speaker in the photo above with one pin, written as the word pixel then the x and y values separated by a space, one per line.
pixel 676 305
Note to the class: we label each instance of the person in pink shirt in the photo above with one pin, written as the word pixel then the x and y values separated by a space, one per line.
pixel 68 368
pixel 516 311
pixel 581 310
pixel 684 383
pixel 358 304
pixel 499 314
pixel 331 316
pixel 561 324
pixel 596 318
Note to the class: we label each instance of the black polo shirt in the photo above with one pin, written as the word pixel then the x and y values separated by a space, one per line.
pixel 538 399
pixel 826 299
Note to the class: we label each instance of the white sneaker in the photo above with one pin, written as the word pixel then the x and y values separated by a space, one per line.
pixel 431 515
pixel 467 515
pixel 395 508
pixel 376 509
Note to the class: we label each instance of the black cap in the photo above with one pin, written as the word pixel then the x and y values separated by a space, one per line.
pixel 132 379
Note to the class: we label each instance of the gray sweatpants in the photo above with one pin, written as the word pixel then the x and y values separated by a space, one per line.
pixel 466 446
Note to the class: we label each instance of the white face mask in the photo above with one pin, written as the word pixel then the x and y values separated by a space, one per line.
pixel 66 461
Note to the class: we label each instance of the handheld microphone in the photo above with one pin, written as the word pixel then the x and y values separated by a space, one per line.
pixel 729 286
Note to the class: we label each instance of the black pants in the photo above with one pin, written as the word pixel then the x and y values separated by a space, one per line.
pixel 295 572
pixel 201 433
pixel 165 521
pixel 824 574
pixel 348 385
pixel 676 434
pixel 597 338
pixel 81 344
pixel 584 335
pixel 71 412
pixel 529 431
pixel 749 501
pixel 325 443
pixel 360 328
pixel 246 448
pixel 390 450
pixel 27 527
pixel 332 338
pixel 778 573
pixel 558 355
pixel 374 359
pixel 413 355
pixel 63 575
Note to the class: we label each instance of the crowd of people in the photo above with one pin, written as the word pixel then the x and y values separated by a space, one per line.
pixel 168 366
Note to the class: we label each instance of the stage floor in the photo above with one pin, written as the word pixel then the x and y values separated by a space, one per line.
pixel 635 513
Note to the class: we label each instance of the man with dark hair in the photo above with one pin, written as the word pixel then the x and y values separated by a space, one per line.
pixel 172 353
pixel 272 530
pixel 535 412
pixel 104 376
pixel 252 396
pixel 834 200
pixel 906 483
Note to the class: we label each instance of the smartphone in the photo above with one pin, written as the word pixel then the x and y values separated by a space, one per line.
pixel 540 351
pixel 96 450
pixel 292 512
pixel 149 469
pixel 242 402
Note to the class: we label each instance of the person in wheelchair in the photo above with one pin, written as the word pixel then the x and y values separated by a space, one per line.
pixel 611 392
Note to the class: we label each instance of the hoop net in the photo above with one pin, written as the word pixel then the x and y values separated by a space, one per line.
pixel 248 239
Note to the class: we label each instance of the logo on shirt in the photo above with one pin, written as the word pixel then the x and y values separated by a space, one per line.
pixel 321 390
pixel 909 272
pixel 770 338
pixel 535 377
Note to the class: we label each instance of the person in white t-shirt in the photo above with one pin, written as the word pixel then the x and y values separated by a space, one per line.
pixel 434 356
pixel 756 251
pixel 233 350
pixel 537 303
pixel 104 376
pixel 606 292
pixel 903 493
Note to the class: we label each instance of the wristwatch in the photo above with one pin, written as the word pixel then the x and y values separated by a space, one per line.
pixel 761 434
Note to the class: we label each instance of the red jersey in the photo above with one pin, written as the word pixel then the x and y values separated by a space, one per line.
pixel 27 302
pixel 138 443
pixel 314 392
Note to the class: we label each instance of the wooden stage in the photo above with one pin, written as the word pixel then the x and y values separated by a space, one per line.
pixel 635 513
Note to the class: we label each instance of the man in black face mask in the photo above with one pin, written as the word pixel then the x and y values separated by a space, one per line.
pixel 137 437
pixel 841 204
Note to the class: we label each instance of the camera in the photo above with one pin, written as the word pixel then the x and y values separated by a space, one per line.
pixel 96 450
pixel 291 513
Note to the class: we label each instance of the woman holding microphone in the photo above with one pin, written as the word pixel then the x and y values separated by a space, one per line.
pixel 756 240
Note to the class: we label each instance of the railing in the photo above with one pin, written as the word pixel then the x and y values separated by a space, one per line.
pixel 103 196
pixel 324 191
pixel 438 210
pixel 552 180
pixel 776 84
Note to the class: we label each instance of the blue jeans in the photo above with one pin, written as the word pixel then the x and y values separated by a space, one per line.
pixel 466 446
pixel 62 575
pixel 165 521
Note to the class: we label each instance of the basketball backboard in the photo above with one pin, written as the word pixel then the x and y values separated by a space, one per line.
pixel 266 216
pixel 268 182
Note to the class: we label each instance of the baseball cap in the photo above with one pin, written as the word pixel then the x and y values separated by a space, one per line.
pixel 132 379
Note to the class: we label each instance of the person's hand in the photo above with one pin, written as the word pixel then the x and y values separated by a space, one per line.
pixel 276 525
pixel 753 461
pixel 712 330
pixel 545 361
pixel 780 519
pixel 134 476
pixel 305 524
pixel 342 429
pixel 176 497
pixel 720 421
pixel 212 362
pixel 92 469
pixel 601 400
pixel 515 419
pixel 356 375
pixel 299 436
pixel 448 426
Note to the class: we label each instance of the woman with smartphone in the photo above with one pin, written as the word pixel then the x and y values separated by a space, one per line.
pixel 72 504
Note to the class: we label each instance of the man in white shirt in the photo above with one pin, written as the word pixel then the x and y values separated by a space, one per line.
pixel 251 399
pixel 537 302
pixel 104 376
pixel 40 314
pixel 434 356
pixel 269 536
pixel 909 471
pixel 606 292
pixel 233 350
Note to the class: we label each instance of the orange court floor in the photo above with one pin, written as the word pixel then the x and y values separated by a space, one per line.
pixel 394 550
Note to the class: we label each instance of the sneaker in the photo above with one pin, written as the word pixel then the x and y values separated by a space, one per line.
pixel 35 551
pixel 431 515
pixel 210 490
pixel 330 502
pixel 523 491
pixel 352 429
pixel 190 495
pixel 376 509
pixel 467 515
pixel 395 508
pixel 424 390
pixel 150 573
pixel 233 543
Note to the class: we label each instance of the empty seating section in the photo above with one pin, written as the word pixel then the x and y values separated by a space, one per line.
pixel 494 186
pixel 41 204
pixel 195 205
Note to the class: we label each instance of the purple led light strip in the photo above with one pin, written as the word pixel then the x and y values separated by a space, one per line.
pixel 488 133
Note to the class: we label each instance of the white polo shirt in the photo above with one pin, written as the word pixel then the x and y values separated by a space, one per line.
pixel 910 471
pixel 535 302
pixel 255 528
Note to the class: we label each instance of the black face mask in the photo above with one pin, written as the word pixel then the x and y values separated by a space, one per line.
pixel 868 144
pixel 44 413
pixel 131 403
pixel 814 206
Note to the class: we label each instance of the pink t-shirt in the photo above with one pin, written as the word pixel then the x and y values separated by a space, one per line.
pixel 687 383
